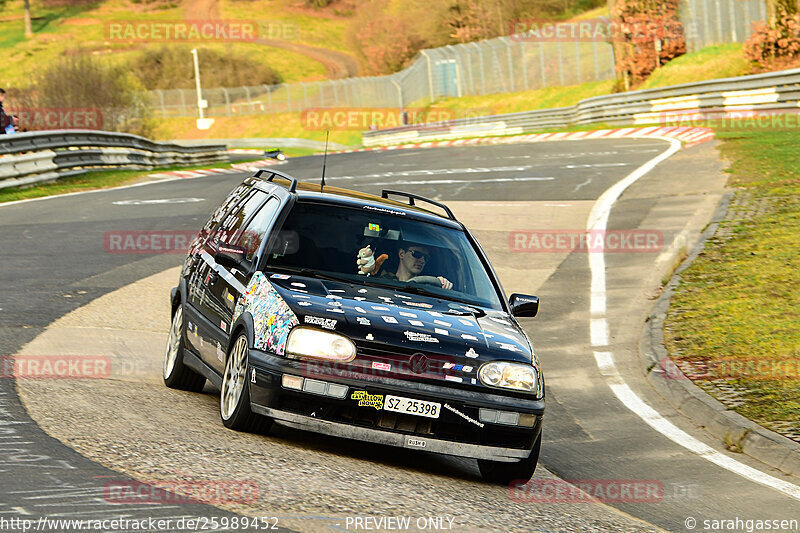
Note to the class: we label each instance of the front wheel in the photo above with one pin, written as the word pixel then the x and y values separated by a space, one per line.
pixel 234 398
pixel 176 374
pixel 505 473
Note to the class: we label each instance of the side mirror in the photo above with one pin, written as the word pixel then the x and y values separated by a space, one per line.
pixel 232 257
pixel 523 305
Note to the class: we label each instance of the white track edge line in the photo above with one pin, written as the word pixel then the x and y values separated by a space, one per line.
pixel 598 220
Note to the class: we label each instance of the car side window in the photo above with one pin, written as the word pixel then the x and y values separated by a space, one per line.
pixel 231 225
pixel 233 198
pixel 251 237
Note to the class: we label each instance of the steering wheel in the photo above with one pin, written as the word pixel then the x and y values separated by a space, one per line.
pixel 428 280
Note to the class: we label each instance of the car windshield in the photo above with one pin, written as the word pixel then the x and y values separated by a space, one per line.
pixel 325 240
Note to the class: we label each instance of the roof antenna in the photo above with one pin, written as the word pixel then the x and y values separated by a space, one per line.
pixel 325 160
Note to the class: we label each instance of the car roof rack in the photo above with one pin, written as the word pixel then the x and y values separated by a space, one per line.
pixel 293 181
pixel 411 197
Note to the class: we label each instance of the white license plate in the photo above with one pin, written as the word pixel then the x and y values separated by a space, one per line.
pixel 408 406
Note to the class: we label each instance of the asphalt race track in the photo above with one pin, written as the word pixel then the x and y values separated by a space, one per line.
pixel 55 261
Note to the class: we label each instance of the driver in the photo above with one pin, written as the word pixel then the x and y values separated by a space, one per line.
pixel 413 258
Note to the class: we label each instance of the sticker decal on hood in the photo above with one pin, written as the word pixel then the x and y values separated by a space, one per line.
pixel 272 317
pixel 326 323
pixel 419 304
pixel 420 337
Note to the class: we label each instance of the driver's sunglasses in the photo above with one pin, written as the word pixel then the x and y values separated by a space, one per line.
pixel 416 254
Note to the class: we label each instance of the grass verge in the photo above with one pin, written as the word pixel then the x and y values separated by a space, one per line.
pixel 278 125
pixel 734 321
pixel 90 181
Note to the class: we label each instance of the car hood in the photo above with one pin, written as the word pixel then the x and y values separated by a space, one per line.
pixel 391 328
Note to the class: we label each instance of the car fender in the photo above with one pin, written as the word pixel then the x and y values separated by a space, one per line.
pixel 177 295
pixel 244 321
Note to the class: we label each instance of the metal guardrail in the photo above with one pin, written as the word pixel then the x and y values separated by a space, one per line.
pixel 28 158
pixel 267 142
pixel 773 92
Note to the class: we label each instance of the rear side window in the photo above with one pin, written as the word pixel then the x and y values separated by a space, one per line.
pixel 216 217
pixel 230 229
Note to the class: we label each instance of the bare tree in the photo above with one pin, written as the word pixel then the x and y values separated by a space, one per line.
pixel 28 27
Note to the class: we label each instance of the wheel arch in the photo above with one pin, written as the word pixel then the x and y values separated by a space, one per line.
pixel 177 297
pixel 243 324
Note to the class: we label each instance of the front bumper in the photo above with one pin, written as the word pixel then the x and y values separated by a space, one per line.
pixel 457 431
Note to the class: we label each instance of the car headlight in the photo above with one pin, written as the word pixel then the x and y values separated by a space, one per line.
pixel 505 375
pixel 307 342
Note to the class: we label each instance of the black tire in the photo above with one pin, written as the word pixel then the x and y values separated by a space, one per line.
pixel 234 396
pixel 176 374
pixel 505 473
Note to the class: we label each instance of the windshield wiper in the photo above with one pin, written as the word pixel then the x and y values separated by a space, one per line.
pixel 464 310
